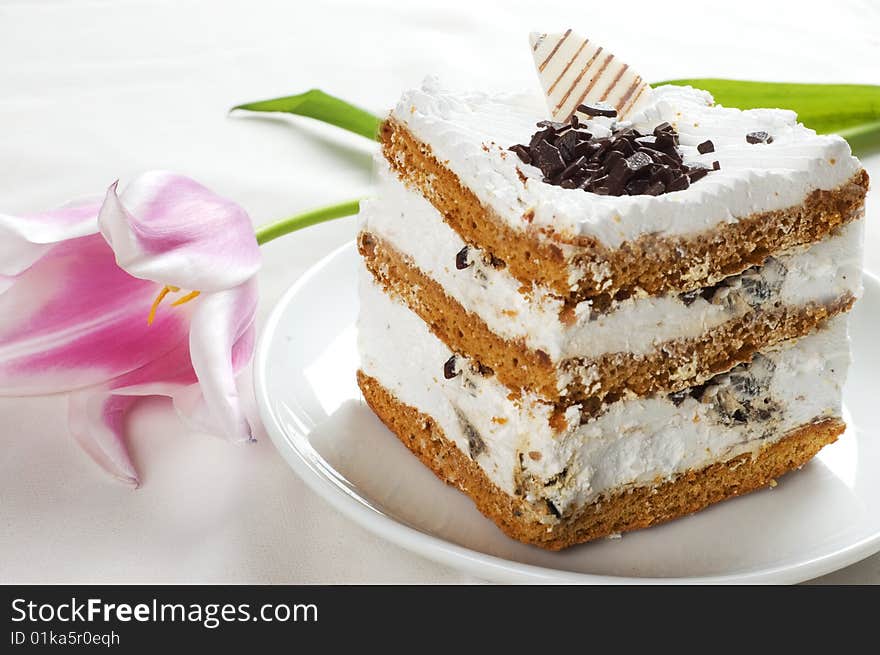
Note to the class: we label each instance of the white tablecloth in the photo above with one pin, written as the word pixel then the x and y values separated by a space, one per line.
pixel 96 90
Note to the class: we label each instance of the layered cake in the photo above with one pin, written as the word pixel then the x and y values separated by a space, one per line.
pixel 606 306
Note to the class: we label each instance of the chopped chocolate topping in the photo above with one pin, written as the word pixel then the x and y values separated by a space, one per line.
pixel 567 143
pixel 716 165
pixel 548 158
pixel 759 137
pixel 706 146
pixel 637 187
pixel 450 370
pixel 678 184
pixel 598 109
pixel 523 153
pixel 637 161
pixel 559 128
pixel 697 173
pixel 461 259
pixel 625 163
pixel 553 510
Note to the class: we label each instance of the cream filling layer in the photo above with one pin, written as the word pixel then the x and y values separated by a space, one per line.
pixel 470 133
pixel 402 217
pixel 637 441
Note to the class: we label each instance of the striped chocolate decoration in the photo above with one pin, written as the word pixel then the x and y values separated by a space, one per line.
pixel 574 71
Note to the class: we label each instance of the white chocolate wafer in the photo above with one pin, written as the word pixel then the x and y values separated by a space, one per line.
pixel 574 71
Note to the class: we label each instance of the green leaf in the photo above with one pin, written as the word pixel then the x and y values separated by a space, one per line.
pixel 826 108
pixel 323 107
pixel 863 138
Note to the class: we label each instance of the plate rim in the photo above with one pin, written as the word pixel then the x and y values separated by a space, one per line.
pixel 478 564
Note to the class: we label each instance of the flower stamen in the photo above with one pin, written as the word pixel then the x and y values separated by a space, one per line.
pixel 158 301
pixel 185 299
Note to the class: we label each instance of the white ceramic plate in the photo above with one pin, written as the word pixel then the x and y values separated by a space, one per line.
pixel 816 520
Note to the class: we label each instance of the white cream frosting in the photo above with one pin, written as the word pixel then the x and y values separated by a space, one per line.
pixel 470 134
pixel 635 442
pixel 407 221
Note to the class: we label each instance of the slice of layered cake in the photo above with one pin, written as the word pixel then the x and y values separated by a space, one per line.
pixel 612 309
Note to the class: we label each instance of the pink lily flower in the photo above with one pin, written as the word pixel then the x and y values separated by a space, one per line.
pixel 81 293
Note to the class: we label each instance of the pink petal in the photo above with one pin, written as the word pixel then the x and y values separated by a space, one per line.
pixel 170 229
pixel 75 319
pixel 221 345
pixel 160 377
pixel 97 421
pixel 25 239
pixel 97 417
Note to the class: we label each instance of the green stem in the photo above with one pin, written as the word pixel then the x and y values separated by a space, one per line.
pixel 266 233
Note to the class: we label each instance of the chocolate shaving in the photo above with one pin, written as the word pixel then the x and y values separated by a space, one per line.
pixel 567 144
pixel 523 153
pixel 678 184
pixel 759 137
pixel 697 174
pixel 637 187
pixel 706 147
pixel 449 368
pixel 461 259
pixel 598 109
pixel 548 158
pixel 637 161
pixel 625 163
pixel 553 125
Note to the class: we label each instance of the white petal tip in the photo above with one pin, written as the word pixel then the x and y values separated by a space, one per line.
pixel 97 425
pixel 132 482
pixel 124 472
